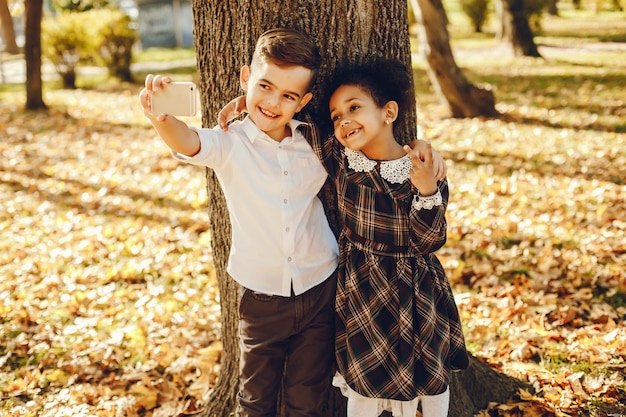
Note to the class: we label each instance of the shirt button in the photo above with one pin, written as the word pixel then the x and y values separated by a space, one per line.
pixel 289 259
pixel 285 201
pixel 287 229
pixel 286 172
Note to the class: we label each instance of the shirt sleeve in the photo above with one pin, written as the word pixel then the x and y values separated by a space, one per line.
pixel 428 226
pixel 215 148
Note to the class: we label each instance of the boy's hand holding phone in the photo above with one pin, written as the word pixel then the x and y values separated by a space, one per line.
pixel 161 97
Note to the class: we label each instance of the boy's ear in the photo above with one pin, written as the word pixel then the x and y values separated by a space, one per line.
pixel 244 76
pixel 304 100
pixel 391 110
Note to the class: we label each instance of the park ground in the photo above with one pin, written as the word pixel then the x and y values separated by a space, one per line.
pixel 108 301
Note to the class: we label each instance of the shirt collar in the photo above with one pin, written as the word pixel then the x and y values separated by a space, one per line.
pixel 253 132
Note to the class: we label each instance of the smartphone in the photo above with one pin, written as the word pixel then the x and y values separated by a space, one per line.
pixel 175 99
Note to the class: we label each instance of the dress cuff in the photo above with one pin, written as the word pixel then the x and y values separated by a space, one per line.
pixel 428 202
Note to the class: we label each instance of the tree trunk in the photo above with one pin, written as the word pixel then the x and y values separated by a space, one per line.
pixel 474 388
pixel 463 99
pixel 515 28
pixel 32 53
pixel 553 9
pixel 225 34
pixel 8 30
pixel 69 79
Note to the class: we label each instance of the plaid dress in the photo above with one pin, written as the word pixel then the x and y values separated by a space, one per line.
pixel 398 332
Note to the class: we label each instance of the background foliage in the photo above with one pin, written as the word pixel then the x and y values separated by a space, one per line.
pixel 103 37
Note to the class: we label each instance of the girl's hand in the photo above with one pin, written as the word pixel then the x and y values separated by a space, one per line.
pixel 233 109
pixel 439 165
pixel 422 172
pixel 152 85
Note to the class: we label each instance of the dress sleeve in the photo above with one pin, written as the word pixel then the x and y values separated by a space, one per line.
pixel 428 225
pixel 323 144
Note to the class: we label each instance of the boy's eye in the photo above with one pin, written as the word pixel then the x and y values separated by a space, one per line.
pixel 264 86
pixel 354 107
pixel 288 97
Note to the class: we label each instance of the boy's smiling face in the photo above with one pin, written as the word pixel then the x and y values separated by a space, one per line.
pixel 274 94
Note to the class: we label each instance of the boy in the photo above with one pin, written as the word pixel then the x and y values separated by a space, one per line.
pixel 283 251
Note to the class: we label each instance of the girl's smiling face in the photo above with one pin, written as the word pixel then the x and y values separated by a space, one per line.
pixel 359 123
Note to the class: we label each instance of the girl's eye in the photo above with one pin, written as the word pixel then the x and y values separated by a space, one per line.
pixel 334 118
pixel 354 107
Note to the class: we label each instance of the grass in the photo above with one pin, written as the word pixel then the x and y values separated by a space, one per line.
pixel 164 54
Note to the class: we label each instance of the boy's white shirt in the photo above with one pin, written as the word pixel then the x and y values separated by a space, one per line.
pixel 280 232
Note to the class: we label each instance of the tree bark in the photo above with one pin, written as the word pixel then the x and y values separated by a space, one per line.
pixel 553 8
pixel 515 28
pixel 463 98
pixel 32 53
pixel 8 29
pixel 474 388
pixel 225 34
pixel 222 40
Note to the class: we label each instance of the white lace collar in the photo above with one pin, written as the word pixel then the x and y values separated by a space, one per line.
pixel 395 171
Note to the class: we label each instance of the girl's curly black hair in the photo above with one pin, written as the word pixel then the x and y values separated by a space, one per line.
pixel 382 79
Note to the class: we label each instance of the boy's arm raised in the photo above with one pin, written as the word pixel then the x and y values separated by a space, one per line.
pixel 174 132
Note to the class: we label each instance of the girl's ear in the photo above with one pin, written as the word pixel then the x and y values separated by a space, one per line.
pixel 391 111
pixel 244 76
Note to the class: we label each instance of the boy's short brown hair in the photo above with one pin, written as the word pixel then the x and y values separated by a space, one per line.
pixel 287 47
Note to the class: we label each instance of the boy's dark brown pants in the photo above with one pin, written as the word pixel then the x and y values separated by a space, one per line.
pixel 294 334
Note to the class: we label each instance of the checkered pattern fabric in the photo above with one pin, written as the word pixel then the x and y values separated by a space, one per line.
pixel 398 332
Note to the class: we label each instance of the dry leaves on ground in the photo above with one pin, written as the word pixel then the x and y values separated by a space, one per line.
pixel 108 301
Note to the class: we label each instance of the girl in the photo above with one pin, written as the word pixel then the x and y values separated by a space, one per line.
pixel 398 332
